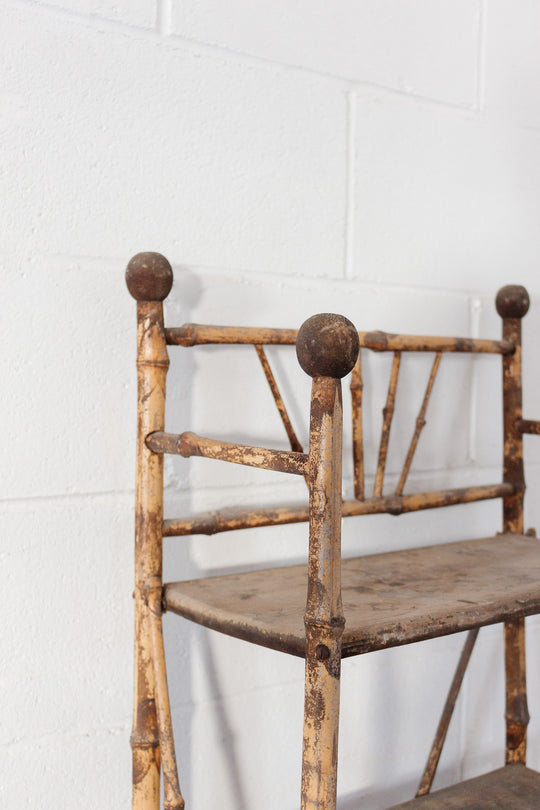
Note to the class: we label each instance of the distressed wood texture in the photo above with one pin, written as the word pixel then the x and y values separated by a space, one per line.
pixel 389 599
pixel 149 279
pixel 512 788
pixel 512 304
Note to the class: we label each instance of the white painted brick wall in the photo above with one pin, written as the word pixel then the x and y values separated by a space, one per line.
pixel 379 159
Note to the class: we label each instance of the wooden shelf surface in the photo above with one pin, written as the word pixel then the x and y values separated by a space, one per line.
pixel 514 787
pixel 388 599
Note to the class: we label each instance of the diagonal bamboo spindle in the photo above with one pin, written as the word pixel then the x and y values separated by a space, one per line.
pixel 356 388
pixel 442 729
pixel 287 424
pixel 420 423
pixel 388 413
pixel 278 399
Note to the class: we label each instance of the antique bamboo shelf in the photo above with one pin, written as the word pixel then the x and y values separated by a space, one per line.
pixel 331 608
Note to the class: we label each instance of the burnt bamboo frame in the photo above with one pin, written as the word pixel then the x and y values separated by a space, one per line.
pixel 149 279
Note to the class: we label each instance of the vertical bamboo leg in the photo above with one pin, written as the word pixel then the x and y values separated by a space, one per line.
pixel 517 713
pixel 327 345
pixel 149 280
pixel 171 784
pixel 512 305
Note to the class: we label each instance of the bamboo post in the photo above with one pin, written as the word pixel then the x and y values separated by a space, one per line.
pixel 512 304
pixel 149 279
pixel 327 349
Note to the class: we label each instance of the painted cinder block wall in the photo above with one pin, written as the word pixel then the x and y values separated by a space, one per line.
pixel 378 159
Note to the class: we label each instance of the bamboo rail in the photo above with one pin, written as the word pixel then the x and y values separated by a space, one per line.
pixel 196 334
pixel 193 334
pixel 528 426
pixel 387 342
pixel 189 444
pixel 231 519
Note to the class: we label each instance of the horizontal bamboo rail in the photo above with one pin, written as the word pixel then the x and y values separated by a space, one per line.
pixel 231 519
pixel 528 426
pixel 189 444
pixel 193 334
pixel 387 342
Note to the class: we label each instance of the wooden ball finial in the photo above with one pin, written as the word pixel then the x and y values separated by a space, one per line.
pixel 327 346
pixel 149 277
pixel 512 301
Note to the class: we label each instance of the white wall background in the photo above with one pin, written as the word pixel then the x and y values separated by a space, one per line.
pixel 378 159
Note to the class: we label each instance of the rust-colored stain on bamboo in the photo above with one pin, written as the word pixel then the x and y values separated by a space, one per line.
pixel 528 426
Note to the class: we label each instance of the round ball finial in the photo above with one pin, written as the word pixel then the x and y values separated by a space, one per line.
pixel 512 301
pixel 149 277
pixel 327 346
